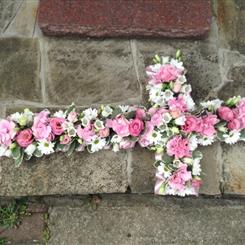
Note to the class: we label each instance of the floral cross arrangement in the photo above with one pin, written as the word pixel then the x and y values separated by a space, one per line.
pixel 172 127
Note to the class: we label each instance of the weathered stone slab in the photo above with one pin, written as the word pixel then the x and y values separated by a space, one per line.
pixel 19 69
pixel 142 171
pixel 99 18
pixel 234 169
pixel 199 57
pixel 147 219
pixel 25 20
pixel 8 10
pixel 80 173
pixel 89 72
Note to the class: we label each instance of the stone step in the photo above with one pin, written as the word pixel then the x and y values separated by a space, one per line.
pixel 136 219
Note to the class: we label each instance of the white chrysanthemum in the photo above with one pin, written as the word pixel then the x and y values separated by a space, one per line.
pixel 165 60
pixel 30 149
pixel 181 79
pixel 90 113
pixel 116 139
pixel 196 167
pixel 206 140
pixel 189 102
pixel 186 89
pixel 212 104
pixel 4 151
pixel 45 147
pixel 177 64
pixel 97 144
pixel 107 111
pixel 60 114
pixel 232 137
pixel 163 170
pixel 180 120
pixel 193 142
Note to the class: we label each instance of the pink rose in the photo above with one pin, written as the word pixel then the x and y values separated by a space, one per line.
pixel 56 125
pixel 127 144
pixel 234 124
pixel 225 113
pixel 166 73
pixel 65 139
pixel 178 147
pixel 121 126
pixel 140 113
pixel 85 133
pixel 24 137
pixel 104 132
pixel 7 132
pixel 178 179
pixel 72 116
pixel 41 128
pixel 135 127
pixel 190 124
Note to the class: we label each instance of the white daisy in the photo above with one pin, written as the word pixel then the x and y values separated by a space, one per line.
pixel 30 149
pixel 189 102
pixel 155 137
pixel 124 108
pixel 206 140
pixel 163 170
pixel 45 147
pixel 4 151
pixel 193 142
pixel 196 167
pixel 16 116
pixel 97 144
pixel 180 120
pixel 90 113
pixel 60 114
pixel 232 137
pixel 212 104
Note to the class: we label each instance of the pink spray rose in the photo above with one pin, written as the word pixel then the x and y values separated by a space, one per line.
pixel 41 128
pixel 135 127
pixel 24 137
pixel 166 73
pixel 7 132
pixel 140 113
pixel 56 125
pixel 225 113
pixel 190 124
pixel 104 132
pixel 121 126
pixel 178 147
pixel 234 124
pixel 85 133
pixel 65 139
pixel 178 179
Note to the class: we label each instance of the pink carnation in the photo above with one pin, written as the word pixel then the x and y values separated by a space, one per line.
pixel 24 137
pixel 56 125
pixel 178 179
pixel 85 133
pixel 177 106
pixel 190 124
pixel 104 132
pixel 157 116
pixel 166 73
pixel 178 147
pixel 121 126
pixel 225 113
pixel 7 132
pixel 41 128
pixel 206 125
pixel 135 127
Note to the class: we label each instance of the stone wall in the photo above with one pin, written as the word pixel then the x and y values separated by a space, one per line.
pixel 38 71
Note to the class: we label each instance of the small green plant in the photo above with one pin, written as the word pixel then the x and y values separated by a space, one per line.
pixel 3 241
pixel 46 231
pixel 11 214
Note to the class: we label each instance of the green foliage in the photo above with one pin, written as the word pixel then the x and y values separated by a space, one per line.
pixel 3 241
pixel 11 214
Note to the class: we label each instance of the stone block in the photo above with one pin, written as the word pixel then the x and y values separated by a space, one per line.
pixel 80 173
pixel 87 72
pixel 19 69
pixel 147 219
pixel 99 18
pixel 234 169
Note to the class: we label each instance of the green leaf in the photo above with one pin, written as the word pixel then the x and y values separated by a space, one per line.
pixel 16 152
pixel 70 109
pixel 19 160
pixel 167 159
pixel 197 154
pixel 242 134
pixel 130 115
pixel 71 148
pixel 116 111
pixel 220 136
